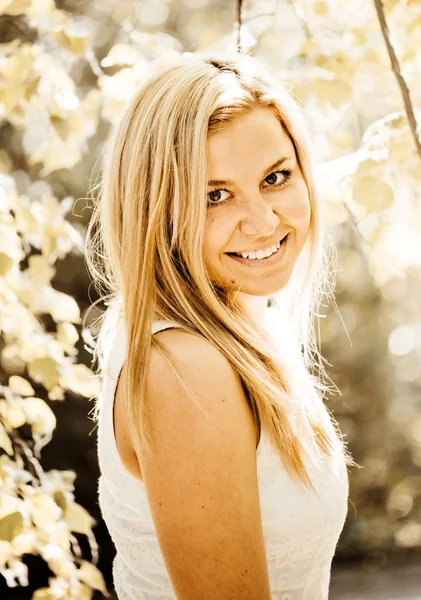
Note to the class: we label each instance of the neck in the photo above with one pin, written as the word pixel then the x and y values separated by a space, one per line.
pixel 256 307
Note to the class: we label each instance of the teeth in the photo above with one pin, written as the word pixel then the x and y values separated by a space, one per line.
pixel 261 253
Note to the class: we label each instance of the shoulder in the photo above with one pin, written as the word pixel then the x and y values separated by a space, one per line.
pixel 191 351
pixel 201 477
pixel 202 366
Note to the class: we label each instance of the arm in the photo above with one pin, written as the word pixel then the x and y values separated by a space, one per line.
pixel 201 481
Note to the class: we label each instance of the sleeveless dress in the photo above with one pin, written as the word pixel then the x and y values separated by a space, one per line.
pixel 300 530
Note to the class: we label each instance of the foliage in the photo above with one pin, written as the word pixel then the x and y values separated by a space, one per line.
pixel 54 96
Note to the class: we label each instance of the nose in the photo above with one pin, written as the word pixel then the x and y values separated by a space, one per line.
pixel 259 218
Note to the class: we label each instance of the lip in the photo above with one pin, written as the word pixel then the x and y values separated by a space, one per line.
pixel 264 262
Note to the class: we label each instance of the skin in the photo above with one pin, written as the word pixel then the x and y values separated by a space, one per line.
pixel 257 211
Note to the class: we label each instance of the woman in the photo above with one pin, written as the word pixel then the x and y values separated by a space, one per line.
pixel 222 474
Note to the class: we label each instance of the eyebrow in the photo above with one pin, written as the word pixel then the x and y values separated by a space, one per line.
pixel 278 163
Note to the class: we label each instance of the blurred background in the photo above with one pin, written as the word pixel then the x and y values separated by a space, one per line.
pixel 66 69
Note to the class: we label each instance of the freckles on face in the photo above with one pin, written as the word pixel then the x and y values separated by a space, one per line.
pixel 253 210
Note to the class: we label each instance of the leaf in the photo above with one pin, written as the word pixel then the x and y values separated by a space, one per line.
pixel 414 26
pixel 39 415
pixel 67 333
pixel 43 594
pixel 25 7
pixel 72 42
pixel 372 195
pixel 333 90
pixel 12 414
pixel 64 308
pixel 6 263
pixel 60 499
pixel 5 442
pixel 78 519
pixel 20 386
pixel 14 7
pixel 43 510
pixel 88 573
pixel 44 370
pixel 81 380
pixel 121 54
pixel 10 526
pixel 10 242
pixel 320 8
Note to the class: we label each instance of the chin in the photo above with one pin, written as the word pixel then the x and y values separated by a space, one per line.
pixel 255 288
pixel 262 290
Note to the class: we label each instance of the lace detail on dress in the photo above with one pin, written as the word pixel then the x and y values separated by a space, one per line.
pixel 300 529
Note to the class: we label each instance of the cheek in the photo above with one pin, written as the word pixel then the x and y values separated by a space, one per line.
pixel 299 209
pixel 216 238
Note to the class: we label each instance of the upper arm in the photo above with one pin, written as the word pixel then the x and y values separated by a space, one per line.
pixel 201 480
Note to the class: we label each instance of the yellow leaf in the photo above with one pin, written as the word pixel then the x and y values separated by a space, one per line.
pixel 6 263
pixel 10 242
pixel 44 370
pixel 372 194
pixel 32 87
pixel 40 269
pixel 41 6
pixel 11 359
pixel 85 593
pixel 72 42
pixel 20 386
pixel 44 594
pixel 78 519
pixel 13 414
pixel 60 499
pixel 64 308
pixel 6 163
pixel 43 510
pixel 56 393
pixel 121 54
pixel 88 573
pixel 333 90
pixel 25 543
pixel 320 8
pixel 360 38
pixel 80 379
pixel 5 442
pixel 14 7
pixel 67 333
pixel 10 526
pixel 39 415
pixel 414 26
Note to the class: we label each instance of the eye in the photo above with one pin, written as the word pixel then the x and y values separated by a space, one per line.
pixel 216 196
pixel 273 181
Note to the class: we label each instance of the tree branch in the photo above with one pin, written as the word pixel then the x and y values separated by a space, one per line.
pixel 301 19
pixel 398 74
pixel 240 23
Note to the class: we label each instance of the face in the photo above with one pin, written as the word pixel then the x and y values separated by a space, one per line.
pixel 255 198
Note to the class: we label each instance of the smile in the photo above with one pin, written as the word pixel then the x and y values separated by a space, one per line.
pixel 273 259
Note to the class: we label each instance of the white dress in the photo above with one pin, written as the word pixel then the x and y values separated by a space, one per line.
pixel 300 530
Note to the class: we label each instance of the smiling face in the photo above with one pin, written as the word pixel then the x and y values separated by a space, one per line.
pixel 263 199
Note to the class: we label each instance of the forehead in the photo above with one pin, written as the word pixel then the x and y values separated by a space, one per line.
pixel 248 145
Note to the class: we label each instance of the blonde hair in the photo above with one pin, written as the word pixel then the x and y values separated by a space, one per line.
pixel 144 250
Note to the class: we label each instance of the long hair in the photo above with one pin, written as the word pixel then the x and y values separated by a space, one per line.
pixel 144 249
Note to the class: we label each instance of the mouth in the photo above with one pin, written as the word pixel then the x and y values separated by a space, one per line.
pixel 263 262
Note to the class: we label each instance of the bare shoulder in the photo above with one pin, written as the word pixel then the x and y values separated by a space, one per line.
pixel 201 479
pixel 208 374
pixel 194 354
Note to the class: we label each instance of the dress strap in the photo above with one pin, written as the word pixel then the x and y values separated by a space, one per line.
pixel 161 325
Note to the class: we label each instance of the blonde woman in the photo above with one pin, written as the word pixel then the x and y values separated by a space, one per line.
pixel 223 476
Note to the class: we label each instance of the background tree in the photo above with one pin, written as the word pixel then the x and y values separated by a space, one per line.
pixel 66 70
